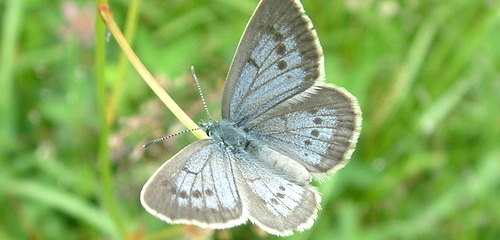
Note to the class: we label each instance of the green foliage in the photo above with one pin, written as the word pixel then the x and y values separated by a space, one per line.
pixel 426 74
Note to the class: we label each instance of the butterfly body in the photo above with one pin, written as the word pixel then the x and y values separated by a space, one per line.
pixel 280 125
pixel 229 135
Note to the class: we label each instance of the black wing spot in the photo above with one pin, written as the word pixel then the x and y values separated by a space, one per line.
pixel 247 144
pixel 315 133
pixel 196 194
pixel 209 192
pixel 183 194
pixel 281 49
pixel 277 36
pixel 318 120
pixel 282 64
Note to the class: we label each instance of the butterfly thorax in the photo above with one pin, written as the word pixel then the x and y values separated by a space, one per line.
pixel 231 136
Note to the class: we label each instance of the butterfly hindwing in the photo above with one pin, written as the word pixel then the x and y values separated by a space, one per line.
pixel 278 57
pixel 196 186
pixel 274 203
pixel 319 129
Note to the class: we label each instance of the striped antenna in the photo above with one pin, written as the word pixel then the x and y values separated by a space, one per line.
pixel 200 93
pixel 167 137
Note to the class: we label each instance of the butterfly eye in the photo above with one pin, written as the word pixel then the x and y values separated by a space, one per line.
pixel 206 126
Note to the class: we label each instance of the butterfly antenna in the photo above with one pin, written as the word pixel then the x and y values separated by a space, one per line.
pixel 167 137
pixel 200 93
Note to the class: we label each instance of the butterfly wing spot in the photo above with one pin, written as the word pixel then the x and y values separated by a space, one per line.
pixel 196 194
pixel 308 142
pixel 315 133
pixel 281 49
pixel 280 195
pixel 209 192
pixel 282 188
pixel 318 121
pixel 277 36
pixel 282 64
pixel 183 194
pixel 274 201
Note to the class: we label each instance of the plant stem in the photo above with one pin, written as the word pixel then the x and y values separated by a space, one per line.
pixel 146 75
pixel 108 196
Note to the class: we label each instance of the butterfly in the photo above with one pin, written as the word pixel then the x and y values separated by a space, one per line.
pixel 280 126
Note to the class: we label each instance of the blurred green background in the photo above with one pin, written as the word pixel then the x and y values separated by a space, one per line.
pixel 426 73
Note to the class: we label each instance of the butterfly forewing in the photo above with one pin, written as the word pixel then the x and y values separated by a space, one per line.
pixel 196 186
pixel 318 129
pixel 278 57
pixel 275 204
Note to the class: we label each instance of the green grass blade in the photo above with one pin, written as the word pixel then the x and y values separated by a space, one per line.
pixel 9 41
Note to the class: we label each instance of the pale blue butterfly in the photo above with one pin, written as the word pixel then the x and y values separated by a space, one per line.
pixel 280 124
